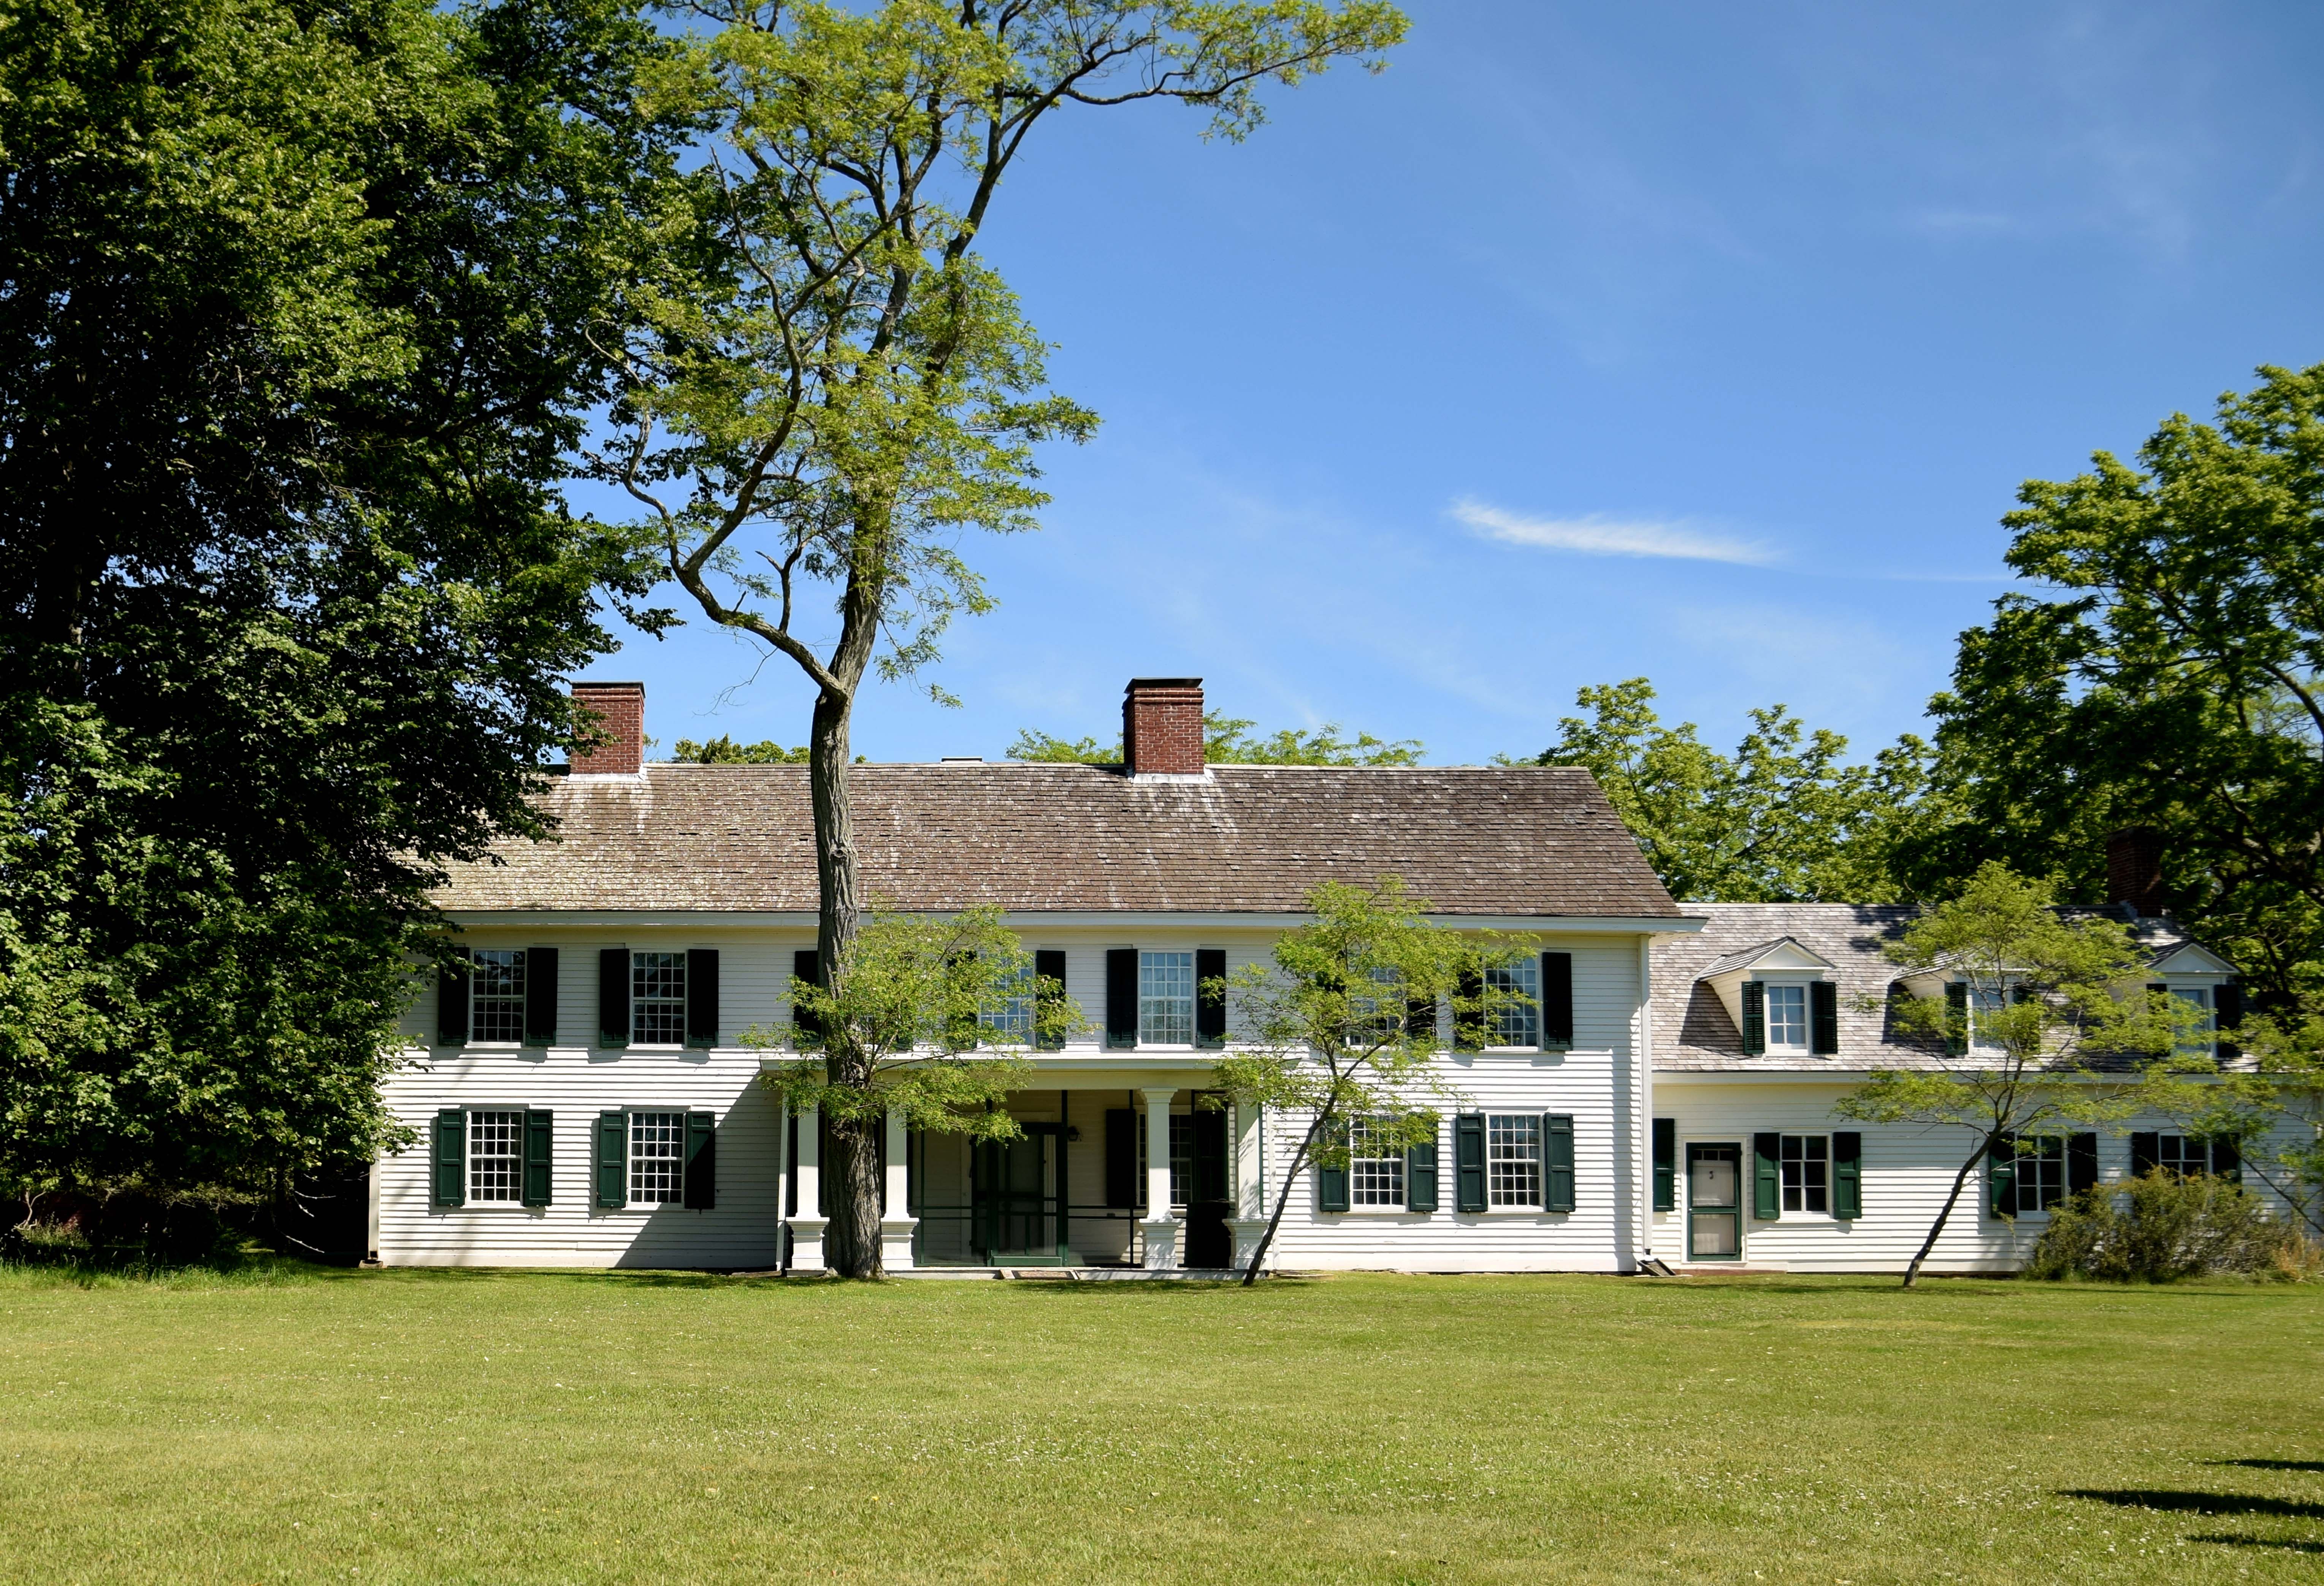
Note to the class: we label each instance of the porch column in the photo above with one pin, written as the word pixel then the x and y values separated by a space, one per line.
pixel 1160 1227
pixel 806 1228
pixel 1249 1221
pixel 896 1221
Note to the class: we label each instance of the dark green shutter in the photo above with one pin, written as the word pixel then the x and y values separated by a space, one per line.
pixel 1557 1162
pixel 702 996
pixel 1331 1188
pixel 806 968
pixel 452 1004
pixel 2227 1157
pixel 1766 1177
pixel 1469 1162
pixel 540 997
pixel 2226 1012
pixel 1420 1019
pixel 2146 1154
pixel 1665 1164
pixel 1469 1013
pixel 2001 1177
pixel 1556 1001
pixel 1847 1176
pixel 614 996
pixel 1121 998
pixel 1824 1018
pixel 1210 1010
pixel 1754 1017
pixel 701 1189
pixel 540 1156
pixel 612 1173
pixel 451 1157
pixel 1120 1157
pixel 1420 1176
pixel 2082 1163
pixel 1050 990
pixel 1957 1030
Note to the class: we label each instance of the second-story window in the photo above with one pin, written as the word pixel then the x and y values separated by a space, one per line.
pixel 1010 1015
pixel 1510 1022
pixel 496 1012
pixel 1787 1018
pixel 658 999
pixel 1166 999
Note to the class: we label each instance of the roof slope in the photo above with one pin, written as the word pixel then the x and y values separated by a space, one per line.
pixel 1501 840
pixel 1692 1027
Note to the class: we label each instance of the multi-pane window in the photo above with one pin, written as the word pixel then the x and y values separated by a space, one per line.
pixel 657 1158
pixel 1787 1018
pixel 496 979
pixel 1375 1166
pixel 1374 1015
pixel 1166 999
pixel 1984 1003
pixel 1807 1173
pixel 2184 1154
pixel 1509 1022
pixel 1010 1016
pixel 2041 1173
pixel 2198 999
pixel 658 999
pixel 495 1156
pixel 1182 1159
pixel 1513 1160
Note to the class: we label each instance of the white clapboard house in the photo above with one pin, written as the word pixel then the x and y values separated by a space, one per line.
pixel 584 1097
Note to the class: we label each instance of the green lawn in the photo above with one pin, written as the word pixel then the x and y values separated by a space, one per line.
pixel 500 1427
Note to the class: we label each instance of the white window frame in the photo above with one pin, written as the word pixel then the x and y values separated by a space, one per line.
pixel 1154 1030
pixel 2203 996
pixel 500 1005
pixel 1386 1189
pixel 1768 986
pixel 636 1120
pixel 1496 1154
pixel 2051 1149
pixel 1522 976
pixel 1012 1014
pixel 2200 1143
pixel 473 1123
pixel 1785 1188
pixel 669 1005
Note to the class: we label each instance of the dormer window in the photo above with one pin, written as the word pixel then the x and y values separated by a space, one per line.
pixel 1787 1018
pixel 1782 998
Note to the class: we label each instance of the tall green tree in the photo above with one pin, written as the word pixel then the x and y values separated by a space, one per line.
pixel 835 385
pixel 2171 676
pixel 1229 740
pixel 1783 819
pixel 295 316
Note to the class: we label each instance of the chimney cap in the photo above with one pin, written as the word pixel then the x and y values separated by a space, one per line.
pixel 592 683
pixel 1137 683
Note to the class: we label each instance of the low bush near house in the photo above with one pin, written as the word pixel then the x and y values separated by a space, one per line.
pixel 2161 1227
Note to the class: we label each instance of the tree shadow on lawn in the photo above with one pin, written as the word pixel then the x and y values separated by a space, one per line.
pixel 2314 1465
pixel 2289 1543
pixel 2209 1505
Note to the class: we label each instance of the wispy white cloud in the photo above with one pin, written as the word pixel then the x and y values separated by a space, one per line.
pixel 1600 536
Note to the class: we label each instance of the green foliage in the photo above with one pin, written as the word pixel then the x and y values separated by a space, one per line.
pixel 1781 820
pixel 1328 1027
pixel 1226 743
pixel 294 321
pixel 2270 1101
pixel 723 751
pixel 2162 1228
pixel 2171 681
pixel 917 1002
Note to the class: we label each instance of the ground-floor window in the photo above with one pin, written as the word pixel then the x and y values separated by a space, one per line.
pixel 2187 1153
pixel 1807 1173
pixel 1513 1158
pixel 1375 1168
pixel 657 1158
pixel 2041 1173
pixel 495 1156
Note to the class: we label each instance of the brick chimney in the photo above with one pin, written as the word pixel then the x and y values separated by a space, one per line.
pixel 620 712
pixel 2135 871
pixel 1162 727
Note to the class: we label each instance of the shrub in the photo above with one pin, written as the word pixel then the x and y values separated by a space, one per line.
pixel 2161 1227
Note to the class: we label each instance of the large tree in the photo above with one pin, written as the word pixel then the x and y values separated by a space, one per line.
pixel 294 303
pixel 2171 676
pixel 1229 740
pixel 836 385
pixel 1783 819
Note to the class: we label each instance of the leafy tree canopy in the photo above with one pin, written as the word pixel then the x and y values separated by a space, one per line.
pixel 1783 819
pixel 2170 678
pixel 723 751
pixel 1227 741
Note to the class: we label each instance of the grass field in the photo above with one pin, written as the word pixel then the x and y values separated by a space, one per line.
pixel 498 1428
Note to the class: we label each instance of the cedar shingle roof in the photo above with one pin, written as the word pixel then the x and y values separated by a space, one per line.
pixel 1501 840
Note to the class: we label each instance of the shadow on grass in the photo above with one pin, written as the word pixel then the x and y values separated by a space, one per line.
pixel 2274 1464
pixel 2209 1505
pixel 2289 1543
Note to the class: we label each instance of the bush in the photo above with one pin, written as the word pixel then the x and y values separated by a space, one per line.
pixel 2161 1227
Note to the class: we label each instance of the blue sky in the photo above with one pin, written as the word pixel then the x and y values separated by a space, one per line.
pixel 1702 342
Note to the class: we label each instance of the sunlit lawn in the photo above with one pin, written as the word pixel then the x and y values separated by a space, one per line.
pixel 498 1428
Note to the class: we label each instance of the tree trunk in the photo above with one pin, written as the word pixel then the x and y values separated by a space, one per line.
pixel 852 1190
pixel 1912 1272
pixel 1259 1256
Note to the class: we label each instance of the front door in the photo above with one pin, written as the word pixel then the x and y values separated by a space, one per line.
pixel 1018 1197
pixel 1714 1206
